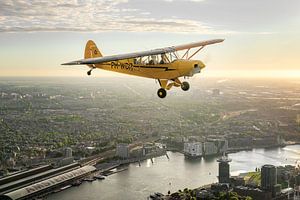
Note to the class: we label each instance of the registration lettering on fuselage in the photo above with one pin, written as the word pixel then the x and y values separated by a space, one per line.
pixel 118 65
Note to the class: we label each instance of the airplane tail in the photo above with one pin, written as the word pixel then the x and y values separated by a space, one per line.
pixel 91 50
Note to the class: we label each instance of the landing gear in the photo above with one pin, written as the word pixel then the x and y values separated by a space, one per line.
pixel 89 72
pixel 162 93
pixel 185 86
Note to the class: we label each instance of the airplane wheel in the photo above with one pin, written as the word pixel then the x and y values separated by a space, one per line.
pixel 162 93
pixel 89 72
pixel 185 86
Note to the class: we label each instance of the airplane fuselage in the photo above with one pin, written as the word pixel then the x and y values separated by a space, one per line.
pixel 172 70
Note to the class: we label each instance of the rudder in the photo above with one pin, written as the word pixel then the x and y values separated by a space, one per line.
pixel 91 50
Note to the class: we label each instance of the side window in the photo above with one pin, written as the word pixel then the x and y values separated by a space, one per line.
pixel 163 59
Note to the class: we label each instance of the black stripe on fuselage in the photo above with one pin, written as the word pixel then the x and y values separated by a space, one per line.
pixel 153 67
pixel 149 66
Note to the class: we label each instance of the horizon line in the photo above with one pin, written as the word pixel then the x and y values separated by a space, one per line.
pixel 210 74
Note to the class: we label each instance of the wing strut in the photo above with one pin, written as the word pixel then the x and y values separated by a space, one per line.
pixel 195 52
pixel 186 53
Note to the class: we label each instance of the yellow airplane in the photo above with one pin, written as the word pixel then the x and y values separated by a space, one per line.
pixel 164 64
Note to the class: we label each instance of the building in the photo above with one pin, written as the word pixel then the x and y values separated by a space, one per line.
pixel 137 152
pixel 297 180
pixel 23 174
pixel 122 150
pixel 288 193
pixel 68 152
pixel 254 193
pixel 33 190
pixel 68 157
pixel 237 180
pixel 149 148
pixel 204 194
pixel 276 190
pixel 65 161
pixel 268 177
pixel 14 182
pixel 210 148
pixel 224 173
pixel 193 149
pixel 220 143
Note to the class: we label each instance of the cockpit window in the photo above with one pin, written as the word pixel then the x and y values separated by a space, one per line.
pixel 152 60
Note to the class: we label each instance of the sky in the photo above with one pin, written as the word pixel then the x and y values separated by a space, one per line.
pixel 262 37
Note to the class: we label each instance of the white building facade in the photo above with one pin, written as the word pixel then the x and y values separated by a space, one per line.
pixel 193 149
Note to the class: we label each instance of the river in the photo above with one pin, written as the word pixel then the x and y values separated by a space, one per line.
pixel 172 174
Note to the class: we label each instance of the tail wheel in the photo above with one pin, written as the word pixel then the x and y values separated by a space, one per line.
pixel 89 72
pixel 185 86
pixel 162 93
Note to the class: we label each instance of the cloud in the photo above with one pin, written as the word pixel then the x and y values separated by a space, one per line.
pixel 176 16
pixel 91 16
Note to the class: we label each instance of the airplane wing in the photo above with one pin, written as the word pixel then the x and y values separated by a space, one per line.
pixel 119 57
pixel 142 53
pixel 197 44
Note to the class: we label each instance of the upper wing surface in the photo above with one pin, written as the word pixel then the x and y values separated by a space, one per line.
pixel 142 53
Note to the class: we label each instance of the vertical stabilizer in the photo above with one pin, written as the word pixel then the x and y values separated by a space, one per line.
pixel 91 50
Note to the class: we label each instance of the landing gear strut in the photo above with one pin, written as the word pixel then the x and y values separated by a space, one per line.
pixel 162 93
pixel 185 86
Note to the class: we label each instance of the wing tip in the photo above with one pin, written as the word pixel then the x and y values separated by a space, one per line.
pixel 219 40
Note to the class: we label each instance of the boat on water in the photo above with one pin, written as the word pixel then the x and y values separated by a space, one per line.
pixel 77 183
pixel 65 187
pixel 113 171
pixel 99 177
pixel 89 179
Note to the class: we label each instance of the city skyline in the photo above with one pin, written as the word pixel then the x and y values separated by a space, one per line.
pixel 254 120
pixel 261 38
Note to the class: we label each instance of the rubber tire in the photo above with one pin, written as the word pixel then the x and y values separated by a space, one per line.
pixel 161 93
pixel 89 73
pixel 185 86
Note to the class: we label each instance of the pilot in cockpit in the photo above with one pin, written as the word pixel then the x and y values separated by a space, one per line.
pixel 163 58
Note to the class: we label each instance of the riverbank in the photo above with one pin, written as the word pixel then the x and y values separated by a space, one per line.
pixel 139 181
pixel 107 166
pixel 242 148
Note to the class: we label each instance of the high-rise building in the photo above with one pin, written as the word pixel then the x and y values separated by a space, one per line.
pixel 224 173
pixel 268 177
pixel 297 180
